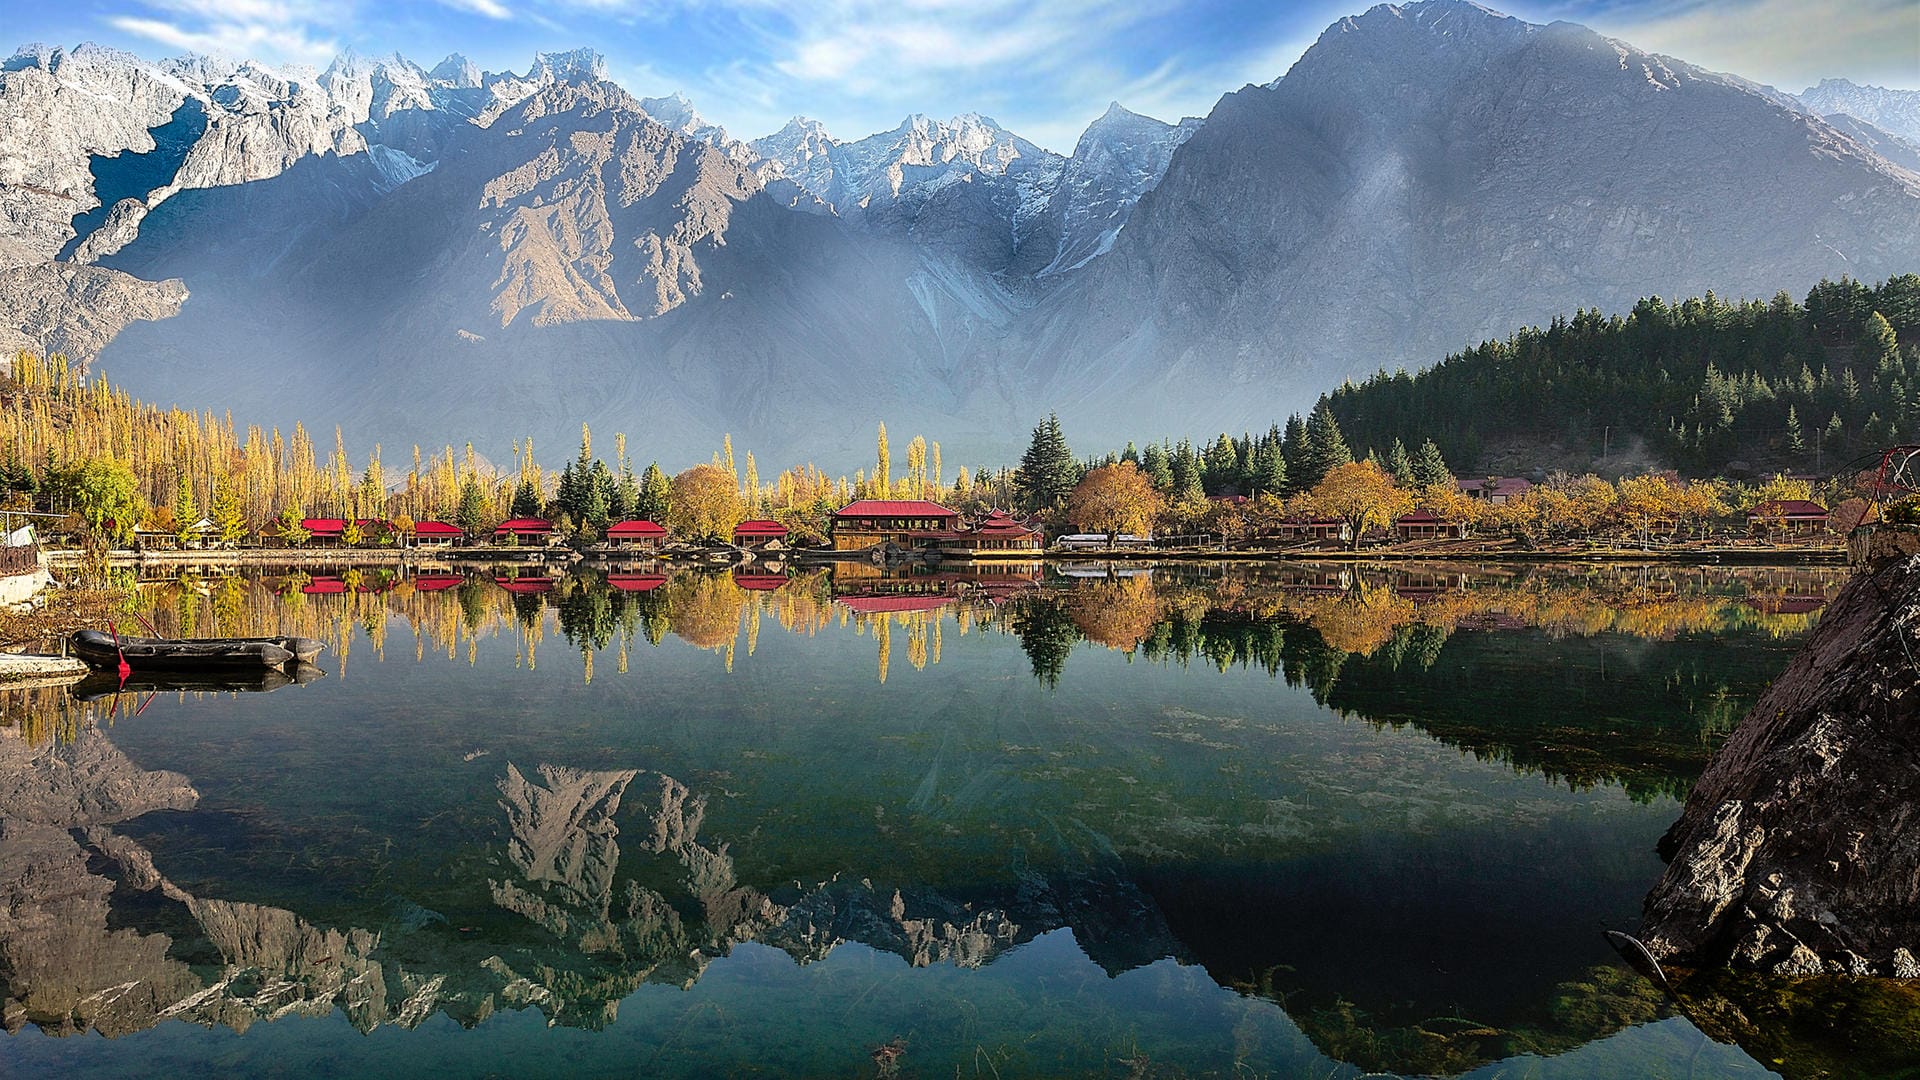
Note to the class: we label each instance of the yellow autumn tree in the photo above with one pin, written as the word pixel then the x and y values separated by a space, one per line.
pixel 1114 499
pixel 1361 494
pixel 705 504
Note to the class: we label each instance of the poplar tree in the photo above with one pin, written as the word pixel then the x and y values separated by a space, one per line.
pixel 883 471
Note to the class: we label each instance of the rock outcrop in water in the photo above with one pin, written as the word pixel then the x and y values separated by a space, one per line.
pixel 1799 850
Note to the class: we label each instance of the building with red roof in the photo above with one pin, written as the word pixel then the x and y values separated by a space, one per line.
pixel 526 532
pixel 637 533
pixel 324 530
pixel 1787 517
pixel 436 534
pixel 1427 525
pixel 999 535
pixel 1495 489
pixel 760 533
pixel 907 522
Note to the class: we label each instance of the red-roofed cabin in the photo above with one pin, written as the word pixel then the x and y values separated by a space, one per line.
pixel 907 522
pixel 760 533
pixel 1787 517
pixel 1318 529
pixel 1495 489
pixel 436 534
pixel 525 532
pixel 638 533
pixel 1426 525
pixel 324 530
pixel 998 535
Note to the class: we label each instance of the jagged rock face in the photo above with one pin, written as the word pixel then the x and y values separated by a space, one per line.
pixel 1435 174
pixel 76 310
pixel 1799 850
pixel 1119 158
pixel 1895 111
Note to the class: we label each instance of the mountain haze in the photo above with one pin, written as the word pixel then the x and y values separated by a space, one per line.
pixel 437 255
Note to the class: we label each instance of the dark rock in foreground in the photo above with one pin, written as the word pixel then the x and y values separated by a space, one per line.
pixel 1799 850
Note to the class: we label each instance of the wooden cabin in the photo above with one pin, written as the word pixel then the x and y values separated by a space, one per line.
pixel 760 534
pixel 1497 490
pixel 325 532
pixel 525 532
pixel 436 534
pixel 1426 525
pixel 637 533
pixel 1317 530
pixel 909 523
pixel 1787 517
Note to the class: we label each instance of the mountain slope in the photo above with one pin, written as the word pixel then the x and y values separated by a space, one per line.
pixel 1434 174
pixel 572 260
pixel 1895 111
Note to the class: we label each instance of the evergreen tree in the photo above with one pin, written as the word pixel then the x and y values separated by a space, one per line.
pixel 1879 347
pixel 1130 454
pixel 1188 481
pixel 1047 469
pixel 1399 464
pixel 1220 470
pixel 472 512
pixel 1154 463
pixel 1324 450
pixel 1269 469
pixel 1429 468
pixel 655 496
pixel 526 499
pixel 597 504
pixel 1293 446
pixel 1795 440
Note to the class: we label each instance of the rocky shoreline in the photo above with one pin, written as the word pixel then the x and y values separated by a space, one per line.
pixel 1798 852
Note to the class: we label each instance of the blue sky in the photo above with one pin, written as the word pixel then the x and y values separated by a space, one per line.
pixel 1043 68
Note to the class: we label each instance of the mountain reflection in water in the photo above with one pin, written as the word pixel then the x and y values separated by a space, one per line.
pixel 1089 790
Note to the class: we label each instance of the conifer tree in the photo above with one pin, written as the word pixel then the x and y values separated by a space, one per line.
pixel 1293 447
pixel 1399 464
pixel 1796 441
pixel 1324 449
pixel 1269 469
pixel 1429 468
pixel 526 499
pixel 656 495
pixel 1155 464
pixel 471 515
pixel 1047 469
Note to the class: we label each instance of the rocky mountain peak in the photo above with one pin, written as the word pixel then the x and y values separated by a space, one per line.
pixel 456 72
pixel 584 64
pixel 1893 111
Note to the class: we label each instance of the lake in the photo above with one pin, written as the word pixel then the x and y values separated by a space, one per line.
pixel 1181 820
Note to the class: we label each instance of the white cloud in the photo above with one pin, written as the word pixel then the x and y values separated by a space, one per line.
pixel 492 9
pixel 271 31
pixel 1788 43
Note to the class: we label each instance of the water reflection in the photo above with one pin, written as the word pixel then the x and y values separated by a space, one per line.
pixel 1143 773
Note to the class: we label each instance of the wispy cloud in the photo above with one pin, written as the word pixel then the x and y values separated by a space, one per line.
pixel 492 9
pixel 1789 43
pixel 272 31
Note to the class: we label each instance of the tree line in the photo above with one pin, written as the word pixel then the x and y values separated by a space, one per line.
pixel 1780 385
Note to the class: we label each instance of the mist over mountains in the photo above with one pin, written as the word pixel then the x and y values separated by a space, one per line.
pixel 439 254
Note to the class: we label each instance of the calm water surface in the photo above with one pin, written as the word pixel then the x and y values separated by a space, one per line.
pixel 1193 821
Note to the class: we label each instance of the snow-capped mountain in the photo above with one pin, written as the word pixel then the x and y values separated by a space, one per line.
pixel 1894 111
pixel 394 236
pixel 1119 158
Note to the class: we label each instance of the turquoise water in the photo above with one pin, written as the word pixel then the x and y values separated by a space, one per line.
pixel 1207 821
